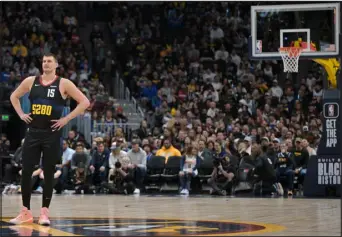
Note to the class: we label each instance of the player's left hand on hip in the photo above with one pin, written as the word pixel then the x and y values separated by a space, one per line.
pixel 58 124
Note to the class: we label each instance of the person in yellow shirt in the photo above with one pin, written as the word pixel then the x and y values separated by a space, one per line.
pixel 168 150
pixel 19 47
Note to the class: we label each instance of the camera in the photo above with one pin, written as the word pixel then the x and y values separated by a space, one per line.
pixel 117 165
pixel 216 160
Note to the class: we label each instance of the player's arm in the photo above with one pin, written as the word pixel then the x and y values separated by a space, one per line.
pixel 21 90
pixel 82 101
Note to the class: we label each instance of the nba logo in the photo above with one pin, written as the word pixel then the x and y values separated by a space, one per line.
pixel 331 110
pixel 259 46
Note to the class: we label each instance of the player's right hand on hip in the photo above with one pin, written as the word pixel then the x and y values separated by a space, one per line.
pixel 26 118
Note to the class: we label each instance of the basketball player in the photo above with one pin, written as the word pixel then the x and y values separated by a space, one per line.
pixel 48 93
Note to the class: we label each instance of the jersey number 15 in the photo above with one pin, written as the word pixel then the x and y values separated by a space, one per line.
pixel 51 93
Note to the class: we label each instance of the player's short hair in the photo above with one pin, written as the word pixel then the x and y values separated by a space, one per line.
pixel 50 55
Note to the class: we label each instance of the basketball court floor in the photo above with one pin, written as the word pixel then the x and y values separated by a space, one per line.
pixel 173 215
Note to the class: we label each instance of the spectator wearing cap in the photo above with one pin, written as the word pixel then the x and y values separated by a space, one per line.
pixel 168 150
pixel 98 165
pixel 138 159
pixel 116 155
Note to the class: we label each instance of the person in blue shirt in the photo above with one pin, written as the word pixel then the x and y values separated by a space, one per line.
pixel 5 75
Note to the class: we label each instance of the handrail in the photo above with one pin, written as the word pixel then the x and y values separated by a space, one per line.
pixel 123 93
pixel 127 94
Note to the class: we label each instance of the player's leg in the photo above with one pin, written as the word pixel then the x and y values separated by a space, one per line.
pixel 30 158
pixel 51 156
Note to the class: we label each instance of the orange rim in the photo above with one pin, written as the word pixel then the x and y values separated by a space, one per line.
pixel 292 51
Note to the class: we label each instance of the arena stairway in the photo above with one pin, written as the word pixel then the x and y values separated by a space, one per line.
pixel 131 112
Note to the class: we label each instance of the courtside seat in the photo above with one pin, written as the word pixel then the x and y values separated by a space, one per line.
pixel 204 173
pixel 155 168
pixel 205 169
pixel 170 176
pixel 172 168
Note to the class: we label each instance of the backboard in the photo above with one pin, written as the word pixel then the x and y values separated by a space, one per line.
pixel 316 26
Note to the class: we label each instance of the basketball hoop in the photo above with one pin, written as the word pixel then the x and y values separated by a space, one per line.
pixel 290 56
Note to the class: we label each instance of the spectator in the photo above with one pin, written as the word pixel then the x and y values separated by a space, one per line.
pixel 71 140
pixel 168 150
pixel 301 159
pixel 143 130
pixel 285 165
pixel 58 186
pixel 222 175
pixel 116 155
pixel 19 50
pixel 80 157
pixel 33 70
pixel 35 178
pixel 138 159
pixel 66 162
pixel 248 141
pixel 311 151
pixel 123 177
pixel 81 178
pixel 264 171
pixel 147 148
pixel 11 171
pixel 98 166
pixel 188 166
pixel 203 152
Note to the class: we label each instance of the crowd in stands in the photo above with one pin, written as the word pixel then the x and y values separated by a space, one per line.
pixel 205 101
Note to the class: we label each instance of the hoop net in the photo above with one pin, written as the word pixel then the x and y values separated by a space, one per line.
pixel 290 56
